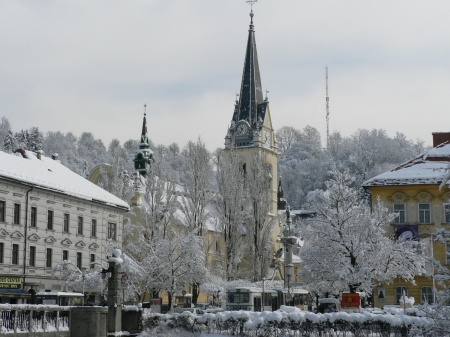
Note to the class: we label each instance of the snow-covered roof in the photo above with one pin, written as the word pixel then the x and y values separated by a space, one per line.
pixel 50 174
pixel 432 167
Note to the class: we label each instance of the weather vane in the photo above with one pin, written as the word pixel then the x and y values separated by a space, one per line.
pixel 145 109
pixel 251 2
pixel 267 92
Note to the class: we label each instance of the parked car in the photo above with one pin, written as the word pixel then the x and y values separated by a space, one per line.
pixel 328 305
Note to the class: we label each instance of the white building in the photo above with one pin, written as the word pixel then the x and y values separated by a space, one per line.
pixel 48 214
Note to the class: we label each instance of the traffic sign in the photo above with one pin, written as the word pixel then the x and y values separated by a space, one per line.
pixel 124 277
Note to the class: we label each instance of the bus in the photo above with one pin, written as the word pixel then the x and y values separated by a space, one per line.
pixel 60 298
pixel 254 299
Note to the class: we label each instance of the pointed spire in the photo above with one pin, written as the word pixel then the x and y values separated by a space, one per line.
pixel 144 135
pixel 251 93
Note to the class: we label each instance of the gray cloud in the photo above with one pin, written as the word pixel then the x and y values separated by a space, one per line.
pixel 90 66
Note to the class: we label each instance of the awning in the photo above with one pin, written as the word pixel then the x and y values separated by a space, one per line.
pixel 17 293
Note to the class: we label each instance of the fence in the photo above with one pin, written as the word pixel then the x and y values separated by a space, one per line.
pixel 33 319
pixel 293 324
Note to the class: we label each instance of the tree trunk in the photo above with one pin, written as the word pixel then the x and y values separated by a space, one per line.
pixel 195 292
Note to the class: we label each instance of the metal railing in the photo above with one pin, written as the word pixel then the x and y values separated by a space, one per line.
pixel 33 318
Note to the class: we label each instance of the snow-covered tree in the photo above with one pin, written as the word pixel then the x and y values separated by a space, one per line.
pixel 35 140
pixel 23 138
pixel 286 136
pixel 65 145
pixel 259 224
pixel 232 206
pixel 439 312
pixel 5 128
pixel 171 263
pixel 197 182
pixel 10 142
pixel 347 246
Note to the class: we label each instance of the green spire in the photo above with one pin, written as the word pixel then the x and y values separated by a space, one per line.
pixel 144 156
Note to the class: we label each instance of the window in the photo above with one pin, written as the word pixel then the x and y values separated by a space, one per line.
pixel 399 209
pixel 2 211
pixel 50 219
pixel 426 295
pixel 80 225
pixel 92 261
pixel 111 230
pixel 447 249
pixel 32 256
pixel 399 293
pixel 79 260
pixel 424 213
pixel 238 297
pixel 218 247
pixel 1 252
pixel 94 228
pixel 447 213
pixel 48 260
pixel 66 222
pixel 33 217
pixel 15 255
pixel 16 219
pixel 65 255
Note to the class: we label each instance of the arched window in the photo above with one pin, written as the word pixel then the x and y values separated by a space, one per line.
pixel 399 293
pixel 426 295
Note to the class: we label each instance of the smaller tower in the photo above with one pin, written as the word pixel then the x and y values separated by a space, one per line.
pixel 144 156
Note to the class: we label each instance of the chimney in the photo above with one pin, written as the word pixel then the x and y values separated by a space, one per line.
pixel 39 154
pixel 440 137
pixel 55 156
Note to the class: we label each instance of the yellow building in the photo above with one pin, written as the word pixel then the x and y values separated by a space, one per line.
pixel 413 190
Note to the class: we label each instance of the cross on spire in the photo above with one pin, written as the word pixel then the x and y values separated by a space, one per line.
pixel 145 109
pixel 251 2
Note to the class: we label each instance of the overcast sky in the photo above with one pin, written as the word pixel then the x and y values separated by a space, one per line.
pixel 91 65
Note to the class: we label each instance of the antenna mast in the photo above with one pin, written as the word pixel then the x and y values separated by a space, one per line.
pixel 327 105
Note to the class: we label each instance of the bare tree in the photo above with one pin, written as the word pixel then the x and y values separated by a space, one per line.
pixel 232 207
pixel 260 224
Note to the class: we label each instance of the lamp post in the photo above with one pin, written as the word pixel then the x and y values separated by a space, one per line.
pixel 263 294
pixel 83 275
pixel 288 240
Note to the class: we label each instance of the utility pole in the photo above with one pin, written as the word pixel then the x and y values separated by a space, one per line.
pixel 327 105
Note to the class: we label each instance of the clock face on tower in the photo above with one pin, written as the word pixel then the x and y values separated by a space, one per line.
pixel 242 130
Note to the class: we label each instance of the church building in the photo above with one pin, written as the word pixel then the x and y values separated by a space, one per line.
pixel 251 128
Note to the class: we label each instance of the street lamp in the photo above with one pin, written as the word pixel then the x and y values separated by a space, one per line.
pixel 264 294
pixel 83 274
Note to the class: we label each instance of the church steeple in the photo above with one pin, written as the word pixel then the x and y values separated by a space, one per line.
pixel 144 156
pixel 251 94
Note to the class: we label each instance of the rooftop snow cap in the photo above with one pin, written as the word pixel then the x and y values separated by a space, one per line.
pixel 51 175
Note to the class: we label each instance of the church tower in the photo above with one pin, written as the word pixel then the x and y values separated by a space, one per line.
pixel 144 156
pixel 251 128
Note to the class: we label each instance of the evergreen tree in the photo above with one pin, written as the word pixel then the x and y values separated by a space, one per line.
pixel 5 128
pixel 35 141
pixel 23 139
pixel 10 142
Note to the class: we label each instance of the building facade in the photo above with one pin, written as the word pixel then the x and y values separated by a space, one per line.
pixel 419 193
pixel 49 214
